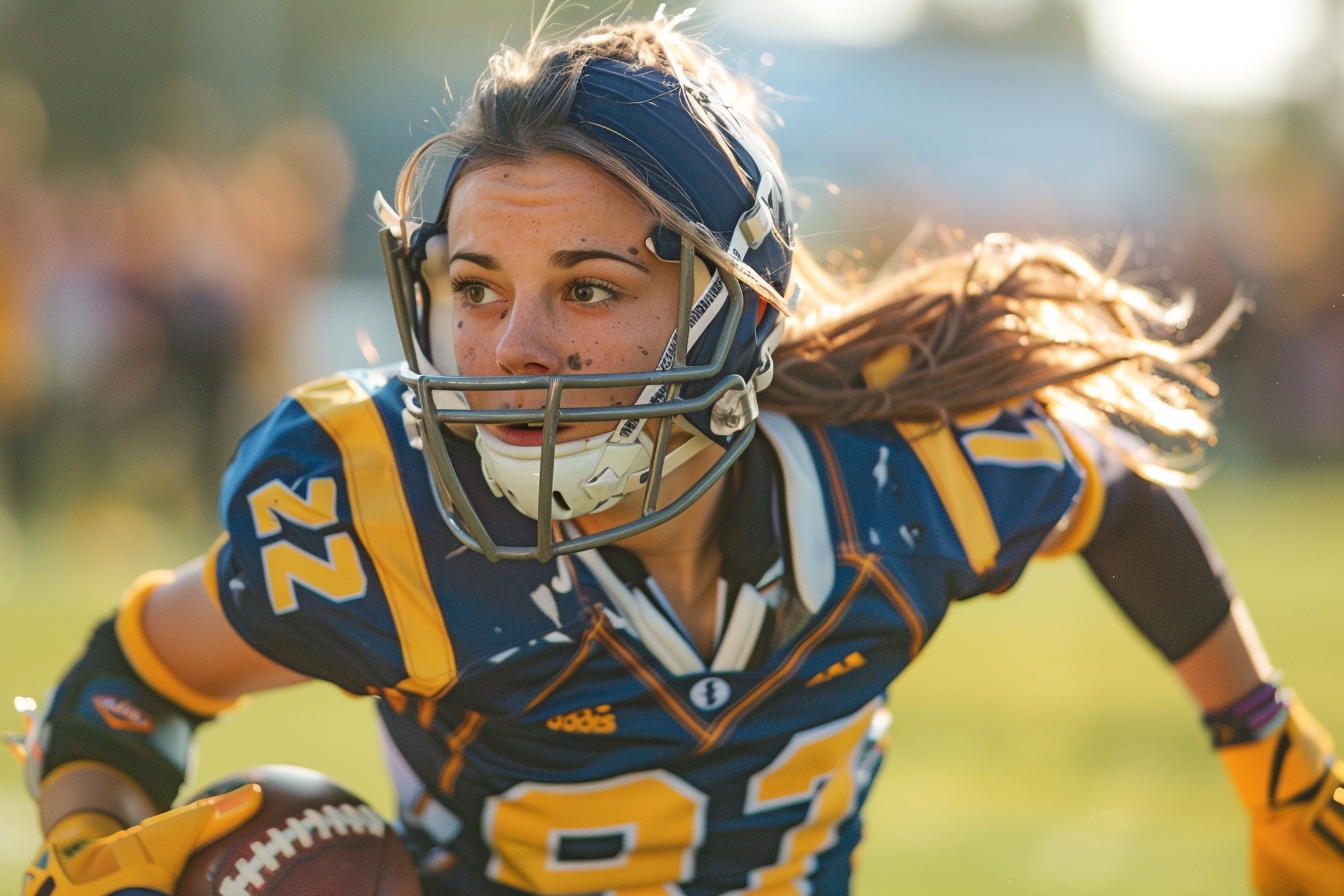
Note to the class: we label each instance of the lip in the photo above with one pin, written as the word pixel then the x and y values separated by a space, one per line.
pixel 521 436
pixel 531 437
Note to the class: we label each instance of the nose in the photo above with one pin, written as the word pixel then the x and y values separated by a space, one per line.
pixel 528 344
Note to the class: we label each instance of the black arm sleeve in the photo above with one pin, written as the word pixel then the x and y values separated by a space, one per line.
pixel 103 711
pixel 1152 555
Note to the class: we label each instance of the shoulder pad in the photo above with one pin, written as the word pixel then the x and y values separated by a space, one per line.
pixel 981 493
pixel 323 570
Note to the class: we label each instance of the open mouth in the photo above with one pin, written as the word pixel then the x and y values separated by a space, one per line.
pixel 523 434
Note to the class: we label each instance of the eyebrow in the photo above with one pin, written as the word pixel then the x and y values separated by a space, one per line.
pixel 489 262
pixel 568 258
pixel 564 258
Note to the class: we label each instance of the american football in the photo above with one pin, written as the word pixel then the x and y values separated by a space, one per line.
pixel 310 838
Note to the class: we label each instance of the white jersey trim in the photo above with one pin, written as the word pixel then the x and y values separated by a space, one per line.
pixel 810 544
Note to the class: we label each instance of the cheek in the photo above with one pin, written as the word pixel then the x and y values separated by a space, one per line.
pixel 474 348
pixel 636 341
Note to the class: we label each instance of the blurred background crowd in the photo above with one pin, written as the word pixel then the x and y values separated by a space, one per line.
pixel 185 191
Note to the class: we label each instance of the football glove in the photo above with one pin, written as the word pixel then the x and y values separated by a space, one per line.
pixel 1293 787
pixel 85 854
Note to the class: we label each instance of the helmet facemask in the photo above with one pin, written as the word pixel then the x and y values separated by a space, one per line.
pixel 630 458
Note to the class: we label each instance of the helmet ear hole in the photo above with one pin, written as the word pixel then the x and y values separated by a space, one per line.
pixel 665 243
pixel 559 499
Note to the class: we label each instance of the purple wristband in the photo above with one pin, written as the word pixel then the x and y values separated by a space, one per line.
pixel 1252 718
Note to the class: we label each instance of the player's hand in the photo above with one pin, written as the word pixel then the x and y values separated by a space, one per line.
pixel 1293 787
pixel 85 855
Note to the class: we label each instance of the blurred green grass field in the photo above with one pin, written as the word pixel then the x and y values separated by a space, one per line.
pixel 1038 747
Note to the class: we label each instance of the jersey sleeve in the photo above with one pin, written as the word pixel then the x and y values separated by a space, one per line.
pixel 293 574
pixel 1041 488
pixel 959 508
pixel 1099 469
pixel 1009 478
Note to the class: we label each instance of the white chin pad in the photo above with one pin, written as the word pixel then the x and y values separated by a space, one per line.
pixel 589 475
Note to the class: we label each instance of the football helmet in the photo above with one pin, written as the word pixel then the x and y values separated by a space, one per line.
pixel 705 378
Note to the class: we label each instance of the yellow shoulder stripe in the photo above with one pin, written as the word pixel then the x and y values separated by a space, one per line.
pixel 1086 513
pixel 146 663
pixel 383 520
pixel 1038 447
pixel 211 570
pixel 937 449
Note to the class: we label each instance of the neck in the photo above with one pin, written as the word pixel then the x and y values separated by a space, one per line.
pixel 683 553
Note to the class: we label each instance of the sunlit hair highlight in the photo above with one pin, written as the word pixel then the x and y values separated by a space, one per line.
pixel 1009 318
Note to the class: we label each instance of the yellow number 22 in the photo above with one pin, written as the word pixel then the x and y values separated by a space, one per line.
pixel 339 576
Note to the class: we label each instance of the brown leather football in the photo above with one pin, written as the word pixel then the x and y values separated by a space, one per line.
pixel 310 838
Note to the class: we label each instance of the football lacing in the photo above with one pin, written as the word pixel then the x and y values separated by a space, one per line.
pixel 331 821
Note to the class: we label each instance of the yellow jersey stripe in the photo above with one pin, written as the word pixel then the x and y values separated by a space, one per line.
pixel 1086 513
pixel 384 524
pixel 135 644
pixel 937 449
pixel 1038 447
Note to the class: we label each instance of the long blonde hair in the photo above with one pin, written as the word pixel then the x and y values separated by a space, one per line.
pixel 1004 320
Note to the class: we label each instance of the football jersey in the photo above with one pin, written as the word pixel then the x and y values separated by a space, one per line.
pixel 546 731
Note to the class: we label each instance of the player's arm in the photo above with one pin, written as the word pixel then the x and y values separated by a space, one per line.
pixel 112 749
pixel 1151 553
pixel 189 633
pixel 183 649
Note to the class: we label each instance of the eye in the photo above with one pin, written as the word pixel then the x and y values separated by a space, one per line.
pixel 474 292
pixel 593 292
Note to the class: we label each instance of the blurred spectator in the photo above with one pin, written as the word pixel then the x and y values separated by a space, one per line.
pixel 288 198
pixel 26 233
pixel 176 292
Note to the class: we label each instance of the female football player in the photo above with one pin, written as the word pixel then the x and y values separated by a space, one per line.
pixel 629 632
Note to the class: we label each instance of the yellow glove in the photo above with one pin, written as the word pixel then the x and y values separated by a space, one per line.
pixel 1293 788
pixel 86 855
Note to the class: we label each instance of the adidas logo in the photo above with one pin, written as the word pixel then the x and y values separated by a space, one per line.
pixel 848 664
pixel 585 721
pixel 121 714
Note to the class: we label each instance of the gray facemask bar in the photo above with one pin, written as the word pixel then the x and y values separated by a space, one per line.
pixel 458 512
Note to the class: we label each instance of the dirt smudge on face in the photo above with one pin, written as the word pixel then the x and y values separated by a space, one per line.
pixel 574 362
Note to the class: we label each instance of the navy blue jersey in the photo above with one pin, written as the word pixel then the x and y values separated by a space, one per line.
pixel 550 736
